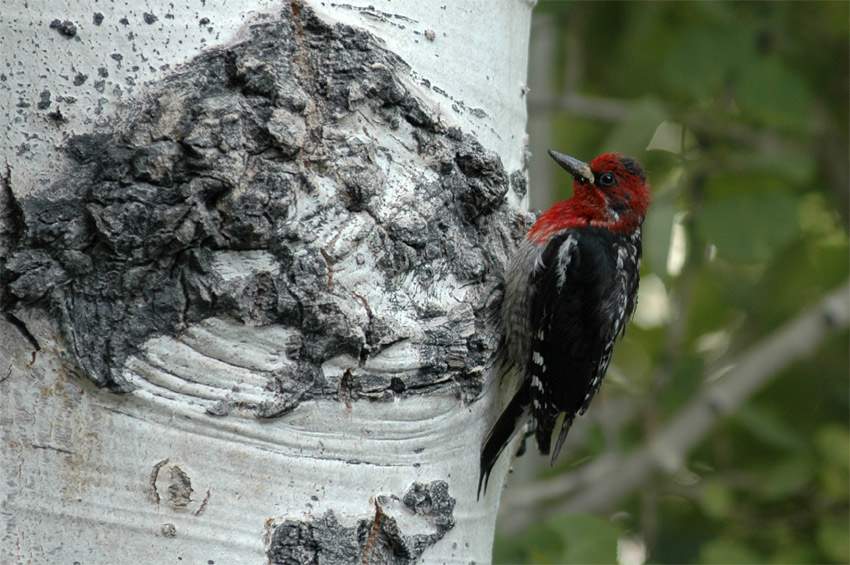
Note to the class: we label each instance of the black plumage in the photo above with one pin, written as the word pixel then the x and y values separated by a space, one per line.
pixel 570 289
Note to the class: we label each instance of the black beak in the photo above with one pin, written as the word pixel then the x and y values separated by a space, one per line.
pixel 578 169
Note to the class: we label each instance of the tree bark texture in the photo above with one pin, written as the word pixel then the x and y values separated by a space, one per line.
pixel 247 309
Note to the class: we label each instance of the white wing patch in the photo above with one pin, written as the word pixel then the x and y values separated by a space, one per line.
pixel 565 255
pixel 535 383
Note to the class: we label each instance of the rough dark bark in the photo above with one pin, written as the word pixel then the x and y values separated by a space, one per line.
pixel 381 539
pixel 227 158
pixel 290 193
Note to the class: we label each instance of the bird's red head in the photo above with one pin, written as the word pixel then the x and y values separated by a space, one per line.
pixel 611 192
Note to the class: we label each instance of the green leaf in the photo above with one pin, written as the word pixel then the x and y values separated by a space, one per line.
pixel 775 169
pixel 833 444
pixel 539 543
pixel 750 227
pixel 716 499
pixel 796 553
pixel 767 425
pixel 774 94
pixel 788 477
pixel 728 552
pixel 588 539
pixel 632 135
pixel 673 137
pixel 833 483
pixel 698 65
pixel 508 550
pixel 833 539
pixel 657 232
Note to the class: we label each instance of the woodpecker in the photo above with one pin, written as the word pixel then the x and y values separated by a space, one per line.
pixel 570 288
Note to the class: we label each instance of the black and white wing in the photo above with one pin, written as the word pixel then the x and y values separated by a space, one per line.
pixel 579 304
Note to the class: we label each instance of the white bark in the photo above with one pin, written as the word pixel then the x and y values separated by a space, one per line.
pixel 245 293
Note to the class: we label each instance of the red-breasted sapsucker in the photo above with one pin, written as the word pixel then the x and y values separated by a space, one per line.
pixel 570 288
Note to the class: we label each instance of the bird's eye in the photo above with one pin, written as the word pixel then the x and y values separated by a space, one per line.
pixel 607 179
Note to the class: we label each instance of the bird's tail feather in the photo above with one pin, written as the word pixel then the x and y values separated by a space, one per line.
pixel 565 427
pixel 501 433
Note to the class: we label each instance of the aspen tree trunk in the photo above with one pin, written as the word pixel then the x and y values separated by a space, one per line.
pixel 249 256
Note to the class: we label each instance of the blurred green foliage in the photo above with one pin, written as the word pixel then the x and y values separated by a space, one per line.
pixel 563 539
pixel 739 111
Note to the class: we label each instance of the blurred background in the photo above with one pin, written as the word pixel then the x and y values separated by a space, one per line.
pixel 722 432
